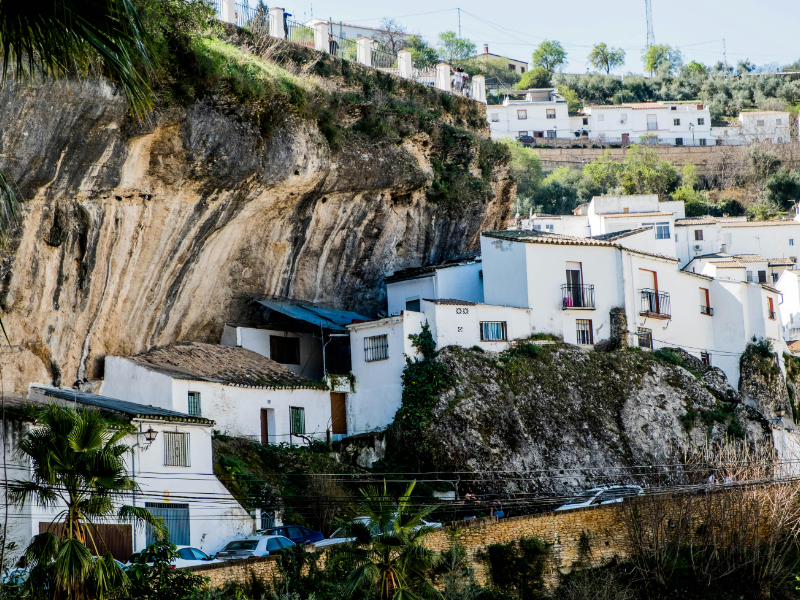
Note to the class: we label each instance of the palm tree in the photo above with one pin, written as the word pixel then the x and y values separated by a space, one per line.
pixel 390 562
pixel 77 469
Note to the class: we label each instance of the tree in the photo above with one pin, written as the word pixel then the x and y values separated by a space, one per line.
pixel 658 55
pixel 392 36
pixel 645 173
pixel 538 77
pixel 526 170
pixel 695 68
pixel 422 55
pixel 453 48
pixel 550 55
pixel 604 58
pixel 574 103
pixel 783 188
pixel 389 558
pixel 494 69
pixel 154 576
pixel 76 467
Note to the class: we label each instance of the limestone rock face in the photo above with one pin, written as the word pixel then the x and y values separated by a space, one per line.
pixel 135 235
pixel 572 417
pixel 761 383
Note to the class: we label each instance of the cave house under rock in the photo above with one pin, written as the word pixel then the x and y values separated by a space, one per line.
pixel 245 393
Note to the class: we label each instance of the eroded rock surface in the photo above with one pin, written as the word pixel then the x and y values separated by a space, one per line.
pixel 137 235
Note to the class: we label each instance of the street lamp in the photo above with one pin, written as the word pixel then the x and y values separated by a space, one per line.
pixel 691 128
pixel 555 136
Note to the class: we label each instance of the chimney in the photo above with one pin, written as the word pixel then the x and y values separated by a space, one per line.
pixel 486 48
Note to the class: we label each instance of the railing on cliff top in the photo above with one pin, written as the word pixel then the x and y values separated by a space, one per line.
pixel 275 23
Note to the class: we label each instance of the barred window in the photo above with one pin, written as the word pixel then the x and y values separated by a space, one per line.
pixel 706 358
pixel 194 404
pixel 298 420
pixel 493 331
pixel 176 449
pixel 645 337
pixel 376 347
pixel 583 328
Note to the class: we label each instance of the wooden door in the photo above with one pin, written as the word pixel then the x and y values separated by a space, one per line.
pixel 625 138
pixel 117 539
pixel 264 426
pixel 338 413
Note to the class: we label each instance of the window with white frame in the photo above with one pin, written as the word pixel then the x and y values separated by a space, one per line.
pixel 583 330
pixel 522 115
pixel 376 347
pixel 652 122
pixel 623 118
pixel 493 331
pixel 662 231
pixel 194 404
pixel 701 120
pixel 523 133
pixel 495 117
pixel 676 122
pixel 778 121
pixel 549 227
pixel 551 113
pixel 760 123
pixel 750 276
pixel 176 449
pixel 551 134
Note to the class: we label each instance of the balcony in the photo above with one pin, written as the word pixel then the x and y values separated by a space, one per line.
pixel 771 314
pixel 655 304
pixel 577 297
pixel 706 310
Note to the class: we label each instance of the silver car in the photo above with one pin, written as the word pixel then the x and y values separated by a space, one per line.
pixel 602 495
pixel 261 545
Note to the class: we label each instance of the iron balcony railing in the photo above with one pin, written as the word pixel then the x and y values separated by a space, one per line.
pixel 706 310
pixel 771 314
pixel 655 304
pixel 577 296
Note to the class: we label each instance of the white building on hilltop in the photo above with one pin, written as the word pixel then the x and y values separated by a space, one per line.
pixel 538 113
pixel 246 394
pixel 674 123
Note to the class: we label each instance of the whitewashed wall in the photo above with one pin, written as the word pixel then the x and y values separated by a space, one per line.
pixel 770 241
pixel 257 340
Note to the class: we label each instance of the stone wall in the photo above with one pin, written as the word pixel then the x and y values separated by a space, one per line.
pixel 700 156
pixel 238 571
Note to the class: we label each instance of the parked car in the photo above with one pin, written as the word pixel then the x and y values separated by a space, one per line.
pixel 526 139
pixel 257 545
pixel 340 535
pixel 296 533
pixel 188 556
pixel 602 495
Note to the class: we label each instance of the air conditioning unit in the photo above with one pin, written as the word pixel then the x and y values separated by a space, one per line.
pixel 723 248
pixel 698 247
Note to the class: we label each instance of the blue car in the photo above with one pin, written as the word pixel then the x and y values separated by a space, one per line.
pixel 296 533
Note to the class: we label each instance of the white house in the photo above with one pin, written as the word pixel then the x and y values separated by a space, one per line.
pixel 539 113
pixel 665 306
pixel 380 349
pixel 515 66
pixel 171 463
pixel 789 286
pixel 678 123
pixel 764 126
pixel 245 393
pixel 460 278
pixel 740 267
pixel 353 32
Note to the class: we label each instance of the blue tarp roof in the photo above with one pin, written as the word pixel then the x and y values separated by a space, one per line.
pixel 321 317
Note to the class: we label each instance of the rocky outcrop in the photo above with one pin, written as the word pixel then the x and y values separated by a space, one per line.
pixel 573 417
pixel 761 382
pixel 135 235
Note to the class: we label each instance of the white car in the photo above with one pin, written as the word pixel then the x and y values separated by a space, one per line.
pixel 602 495
pixel 257 545
pixel 188 556
pixel 339 536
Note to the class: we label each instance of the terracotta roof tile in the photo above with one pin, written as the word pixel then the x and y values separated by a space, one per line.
pixel 760 223
pixel 731 264
pixel 635 214
pixel 223 364
pixel 451 302
pixel 688 222
pixel 794 346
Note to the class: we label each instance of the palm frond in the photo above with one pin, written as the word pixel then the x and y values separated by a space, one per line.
pixel 108 577
pixel 47 38
pixel 363 576
pixel 139 517
pixel 42 550
pixel 73 563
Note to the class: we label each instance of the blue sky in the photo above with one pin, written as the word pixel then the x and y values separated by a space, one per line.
pixel 764 31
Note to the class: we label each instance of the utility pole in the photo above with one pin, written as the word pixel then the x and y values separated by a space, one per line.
pixel 459 23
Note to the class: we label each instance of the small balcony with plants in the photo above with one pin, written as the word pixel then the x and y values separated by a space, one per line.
pixel 574 296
